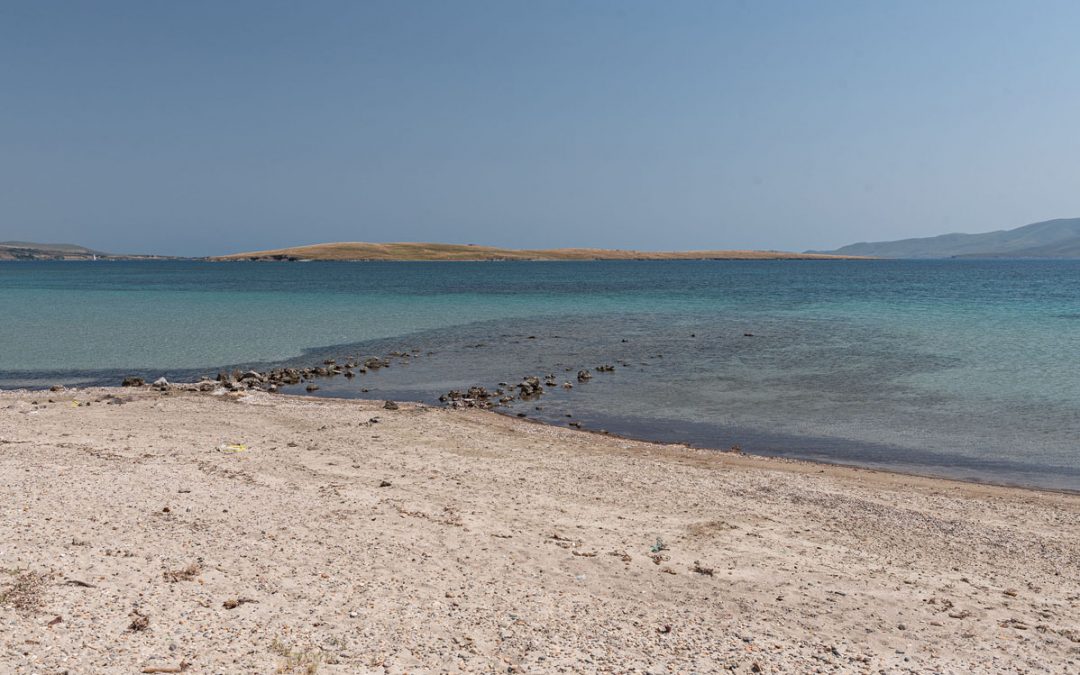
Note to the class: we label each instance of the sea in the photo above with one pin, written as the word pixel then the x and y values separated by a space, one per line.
pixel 967 369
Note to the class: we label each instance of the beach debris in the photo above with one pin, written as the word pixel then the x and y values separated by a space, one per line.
pixel 161 384
pixel 303 660
pixel 704 571
pixel 390 405
pixel 233 603
pixel 621 555
pixel 385 483
pixel 186 574
pixel 1014 623
pixel 77 582
pixel 232 447
pixel 57 619
pixel 184 665
pixel 24 593
pixel 658 546
pixel 133 381
pixel 561 541
pixel 139 621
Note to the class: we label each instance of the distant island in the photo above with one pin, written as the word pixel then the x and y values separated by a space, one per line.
pixel 1058 238
pixel 27 250
pixel 1049 239
pixel 360 251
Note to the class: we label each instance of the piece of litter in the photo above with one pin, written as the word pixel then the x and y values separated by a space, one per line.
pixel 232 447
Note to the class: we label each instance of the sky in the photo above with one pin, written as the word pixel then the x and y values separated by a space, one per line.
pixel 201 128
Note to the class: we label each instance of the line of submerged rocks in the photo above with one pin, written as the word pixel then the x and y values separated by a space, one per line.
pixel 274 379
pixel 531 387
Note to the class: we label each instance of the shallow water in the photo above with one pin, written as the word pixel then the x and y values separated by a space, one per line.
pixel 959 368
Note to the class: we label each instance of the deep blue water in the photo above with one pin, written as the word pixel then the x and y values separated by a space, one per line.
pixel 961 368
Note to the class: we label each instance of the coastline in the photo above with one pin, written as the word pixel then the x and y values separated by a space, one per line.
pixel 749 455
pixel 318 374
pixel 497 544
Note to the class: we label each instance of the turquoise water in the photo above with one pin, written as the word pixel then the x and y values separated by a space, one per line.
pixel 960 368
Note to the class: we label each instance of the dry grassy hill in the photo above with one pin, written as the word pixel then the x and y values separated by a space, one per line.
pixel 425 251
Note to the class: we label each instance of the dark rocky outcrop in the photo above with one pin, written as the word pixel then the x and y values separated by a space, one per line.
pixel 530 386
pixel 474 397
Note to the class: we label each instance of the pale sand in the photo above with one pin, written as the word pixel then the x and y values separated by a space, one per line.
pixel 499 546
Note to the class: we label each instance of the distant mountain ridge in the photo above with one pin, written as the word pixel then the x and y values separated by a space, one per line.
pixel 1058 238
pixel 28 250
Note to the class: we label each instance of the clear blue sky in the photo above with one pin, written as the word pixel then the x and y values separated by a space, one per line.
pixel 208 127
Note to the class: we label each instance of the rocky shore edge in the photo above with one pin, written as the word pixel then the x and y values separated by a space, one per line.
pixel 529 388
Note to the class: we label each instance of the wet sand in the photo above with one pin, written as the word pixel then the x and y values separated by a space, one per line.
pixel 251 532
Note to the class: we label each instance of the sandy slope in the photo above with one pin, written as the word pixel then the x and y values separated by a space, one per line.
pixel 129 540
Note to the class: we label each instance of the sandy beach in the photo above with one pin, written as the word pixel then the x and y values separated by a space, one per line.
pixel 145 531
